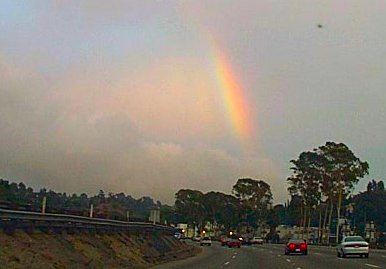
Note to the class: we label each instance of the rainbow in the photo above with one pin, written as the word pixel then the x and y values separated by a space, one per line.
pixel 231 90
pixel 233 96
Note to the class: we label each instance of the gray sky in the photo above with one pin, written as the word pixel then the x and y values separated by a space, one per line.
pixel 127 95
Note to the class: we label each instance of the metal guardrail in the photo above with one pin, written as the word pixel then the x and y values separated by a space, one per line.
pixel 25 219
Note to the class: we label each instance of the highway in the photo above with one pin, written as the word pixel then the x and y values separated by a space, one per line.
pixel 271 256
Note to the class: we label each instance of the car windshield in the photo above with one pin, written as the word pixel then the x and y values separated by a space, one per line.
pixel 353 239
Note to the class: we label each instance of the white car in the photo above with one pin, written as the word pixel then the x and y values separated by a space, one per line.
pixel 196 238
pixel 178 235
pixel 205 241
pixel 257 240
pixel 353 245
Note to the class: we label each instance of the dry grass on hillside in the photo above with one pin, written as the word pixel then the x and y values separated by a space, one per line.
pixel 119 250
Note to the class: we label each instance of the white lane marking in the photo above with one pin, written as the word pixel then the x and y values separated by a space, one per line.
pixel 372 265
pixel 278 255
pixel 270 251
pixel 288 260
pixel 316 253
pixel 383 256
pixel 233 257
pixel 299 268
pixel 226 263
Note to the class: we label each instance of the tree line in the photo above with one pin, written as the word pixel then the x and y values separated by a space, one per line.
pixel 323 178
pixel 320 188
pixel 248 206
pixel 118 206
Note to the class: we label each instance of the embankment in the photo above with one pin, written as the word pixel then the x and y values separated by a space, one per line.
pixel 87 250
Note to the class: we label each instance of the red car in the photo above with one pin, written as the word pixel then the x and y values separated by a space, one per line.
pixel 234 243
pixel 296 246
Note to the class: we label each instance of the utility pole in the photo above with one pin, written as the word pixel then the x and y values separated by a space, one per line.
pixel 338 209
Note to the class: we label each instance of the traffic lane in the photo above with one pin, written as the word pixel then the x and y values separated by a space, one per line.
pixel 275 254
pixel 270 256
pixel 252 257
pixel 325 257
pixel 377 258
pixel 245 257
pixel 214 256
pixel 217 257
pixel 222 257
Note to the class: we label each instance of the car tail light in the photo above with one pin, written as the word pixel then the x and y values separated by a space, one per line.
pixel 303 246
pixel 291 245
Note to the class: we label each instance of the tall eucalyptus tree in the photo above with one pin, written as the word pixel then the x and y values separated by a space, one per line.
pixel 342 172
pixel 255 197
pixel 305 182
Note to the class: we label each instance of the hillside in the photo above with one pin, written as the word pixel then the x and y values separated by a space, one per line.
pixel 119 250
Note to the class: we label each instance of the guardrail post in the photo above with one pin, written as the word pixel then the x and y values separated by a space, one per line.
pixel 44 204
pixel 91 210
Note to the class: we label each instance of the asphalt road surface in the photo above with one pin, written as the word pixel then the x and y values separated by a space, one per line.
pixel 271 256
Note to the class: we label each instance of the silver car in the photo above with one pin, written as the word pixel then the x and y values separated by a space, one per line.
pixel 257 240
pixel 353 245
pixel 206 241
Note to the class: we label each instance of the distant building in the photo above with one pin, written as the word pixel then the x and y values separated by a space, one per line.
pixel 285 232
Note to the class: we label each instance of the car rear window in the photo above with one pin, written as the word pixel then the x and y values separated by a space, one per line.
pixel 353 239
pixel 296 241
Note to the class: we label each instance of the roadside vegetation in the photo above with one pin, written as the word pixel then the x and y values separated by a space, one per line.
pixel 321 189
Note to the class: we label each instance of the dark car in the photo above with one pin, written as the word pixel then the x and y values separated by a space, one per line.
pixel 224 240
pixel 234 243
pixel 245 240
pixel 296 246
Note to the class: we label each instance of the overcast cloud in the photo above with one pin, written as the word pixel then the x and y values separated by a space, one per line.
pixel 122 95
